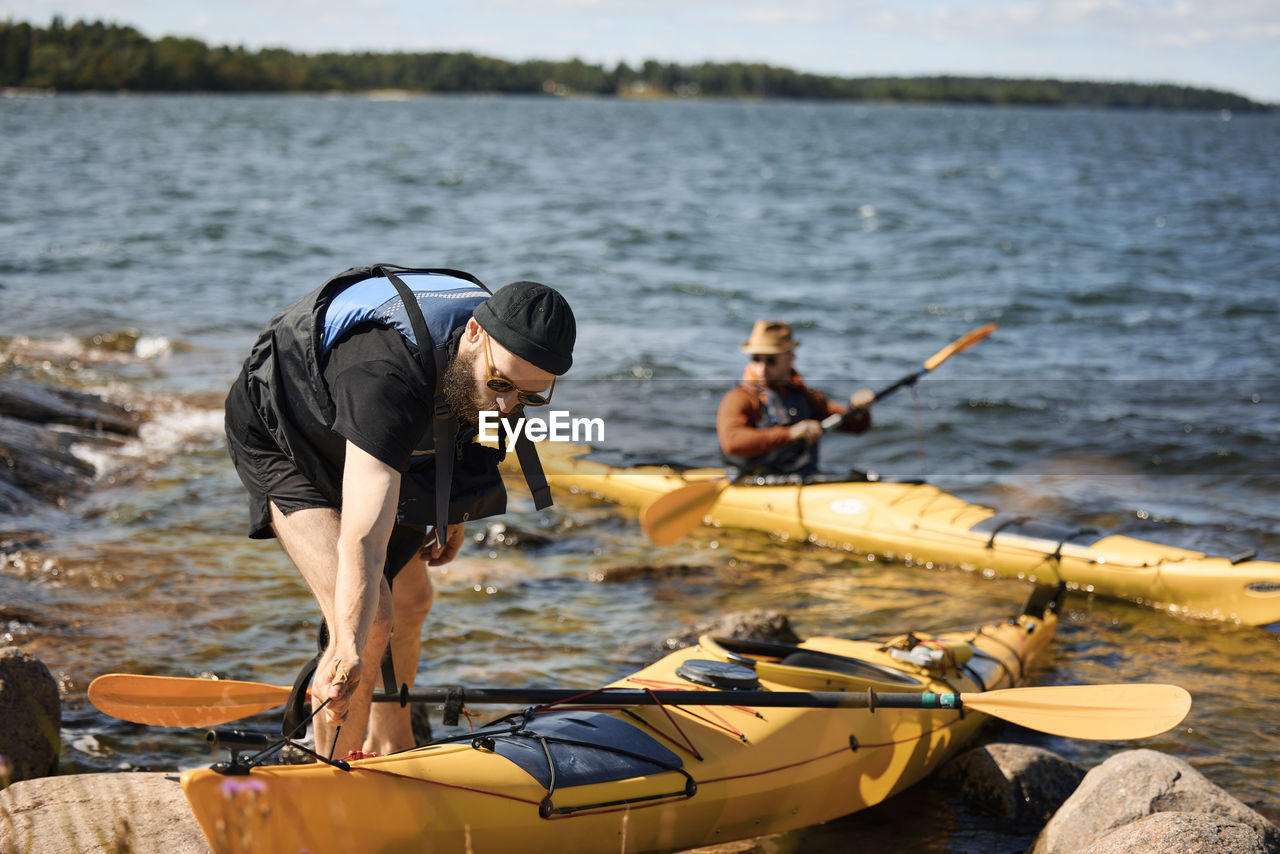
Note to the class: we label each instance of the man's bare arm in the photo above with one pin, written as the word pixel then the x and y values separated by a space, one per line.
pixel 370 490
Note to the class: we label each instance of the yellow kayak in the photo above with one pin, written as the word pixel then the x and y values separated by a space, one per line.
pixel 646 778
pixel 921 524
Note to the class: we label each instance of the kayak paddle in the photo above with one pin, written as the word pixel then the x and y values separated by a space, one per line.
pixel 669 518
pixel 1098 712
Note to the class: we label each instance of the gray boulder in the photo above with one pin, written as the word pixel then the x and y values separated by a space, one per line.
pixel 31 712
pixel 1135 784
pixel 1019 783
pixel 1182 833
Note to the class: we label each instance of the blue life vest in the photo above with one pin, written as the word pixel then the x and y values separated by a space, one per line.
pixel 446 303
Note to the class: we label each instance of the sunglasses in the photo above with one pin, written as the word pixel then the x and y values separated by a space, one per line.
pixel 502 385
pixel 770 359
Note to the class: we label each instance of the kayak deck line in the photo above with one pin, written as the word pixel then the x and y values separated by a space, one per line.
pixel 919 524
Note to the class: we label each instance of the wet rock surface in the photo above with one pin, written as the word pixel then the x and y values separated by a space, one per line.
pixel 40 427
pixel 757 625
pixel 501 535
pixel 649 572
pixel 30 716
pixel 30 401
pixel 1021 784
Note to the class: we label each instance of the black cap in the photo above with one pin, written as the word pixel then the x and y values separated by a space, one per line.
pixel 532 321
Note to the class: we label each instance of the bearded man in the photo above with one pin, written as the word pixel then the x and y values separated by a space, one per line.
pixel 344 407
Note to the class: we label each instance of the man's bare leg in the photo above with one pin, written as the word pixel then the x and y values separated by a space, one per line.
pixel 310 538
pixel 389 724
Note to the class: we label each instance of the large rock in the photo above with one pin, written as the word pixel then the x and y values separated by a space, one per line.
pixel 1135 784
pixel 38 464
pixel 141 812
pixel 41 404
pixel 40 427
pixel 30 716
pixel 1022 784
pixel 1182 833
pixel 627 573
pixel 760 624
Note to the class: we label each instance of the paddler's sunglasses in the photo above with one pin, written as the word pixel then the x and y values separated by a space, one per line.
pixel 502 385
pixel 767 359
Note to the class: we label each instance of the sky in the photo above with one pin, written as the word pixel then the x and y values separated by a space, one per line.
pixel 1232 45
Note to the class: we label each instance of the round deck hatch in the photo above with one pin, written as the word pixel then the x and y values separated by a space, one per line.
pixel 718 674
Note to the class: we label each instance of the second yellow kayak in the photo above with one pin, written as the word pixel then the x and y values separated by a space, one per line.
pixel 921 524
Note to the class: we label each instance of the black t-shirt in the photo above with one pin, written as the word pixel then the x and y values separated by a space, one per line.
pixel 381 396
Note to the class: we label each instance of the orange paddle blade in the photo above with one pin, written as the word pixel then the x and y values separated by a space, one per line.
pixel 1095 712
pixel 668 518
pixel 180 701
pixel 961 344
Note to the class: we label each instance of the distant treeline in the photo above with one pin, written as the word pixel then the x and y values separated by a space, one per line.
pixel 108 57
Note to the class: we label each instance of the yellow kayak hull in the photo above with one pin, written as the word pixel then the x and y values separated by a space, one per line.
pixel 754 771
pixel 921 524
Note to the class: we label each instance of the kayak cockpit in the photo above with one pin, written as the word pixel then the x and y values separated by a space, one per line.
pixel 796 667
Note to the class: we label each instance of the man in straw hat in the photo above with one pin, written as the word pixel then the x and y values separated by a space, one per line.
pixel 770 423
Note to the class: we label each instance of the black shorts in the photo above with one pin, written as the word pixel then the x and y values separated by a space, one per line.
pixel 271 477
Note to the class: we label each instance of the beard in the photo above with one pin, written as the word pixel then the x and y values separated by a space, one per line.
pixel 459 388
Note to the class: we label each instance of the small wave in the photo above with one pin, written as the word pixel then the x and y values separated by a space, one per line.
pixel 163 435
pixel 112 347
pixel 128 342
pixel 153 347
pixel 176 430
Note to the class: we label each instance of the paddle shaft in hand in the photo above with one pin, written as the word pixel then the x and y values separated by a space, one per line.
pixel 669 518
pixel 1108 712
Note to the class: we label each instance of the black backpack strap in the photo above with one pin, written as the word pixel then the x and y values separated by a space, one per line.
pixel 444 431
pixel 390 270
pixel 444 437
pixel 531 466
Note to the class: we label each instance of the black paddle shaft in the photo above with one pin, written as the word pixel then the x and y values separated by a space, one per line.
pixel 910 379
pixel 869 699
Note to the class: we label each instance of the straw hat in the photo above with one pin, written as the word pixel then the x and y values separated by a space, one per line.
pixel 769 337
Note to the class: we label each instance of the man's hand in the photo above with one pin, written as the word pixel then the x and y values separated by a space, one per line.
pixel 810 431
pixel 862 398
pixel 343 678
pixel 437 556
